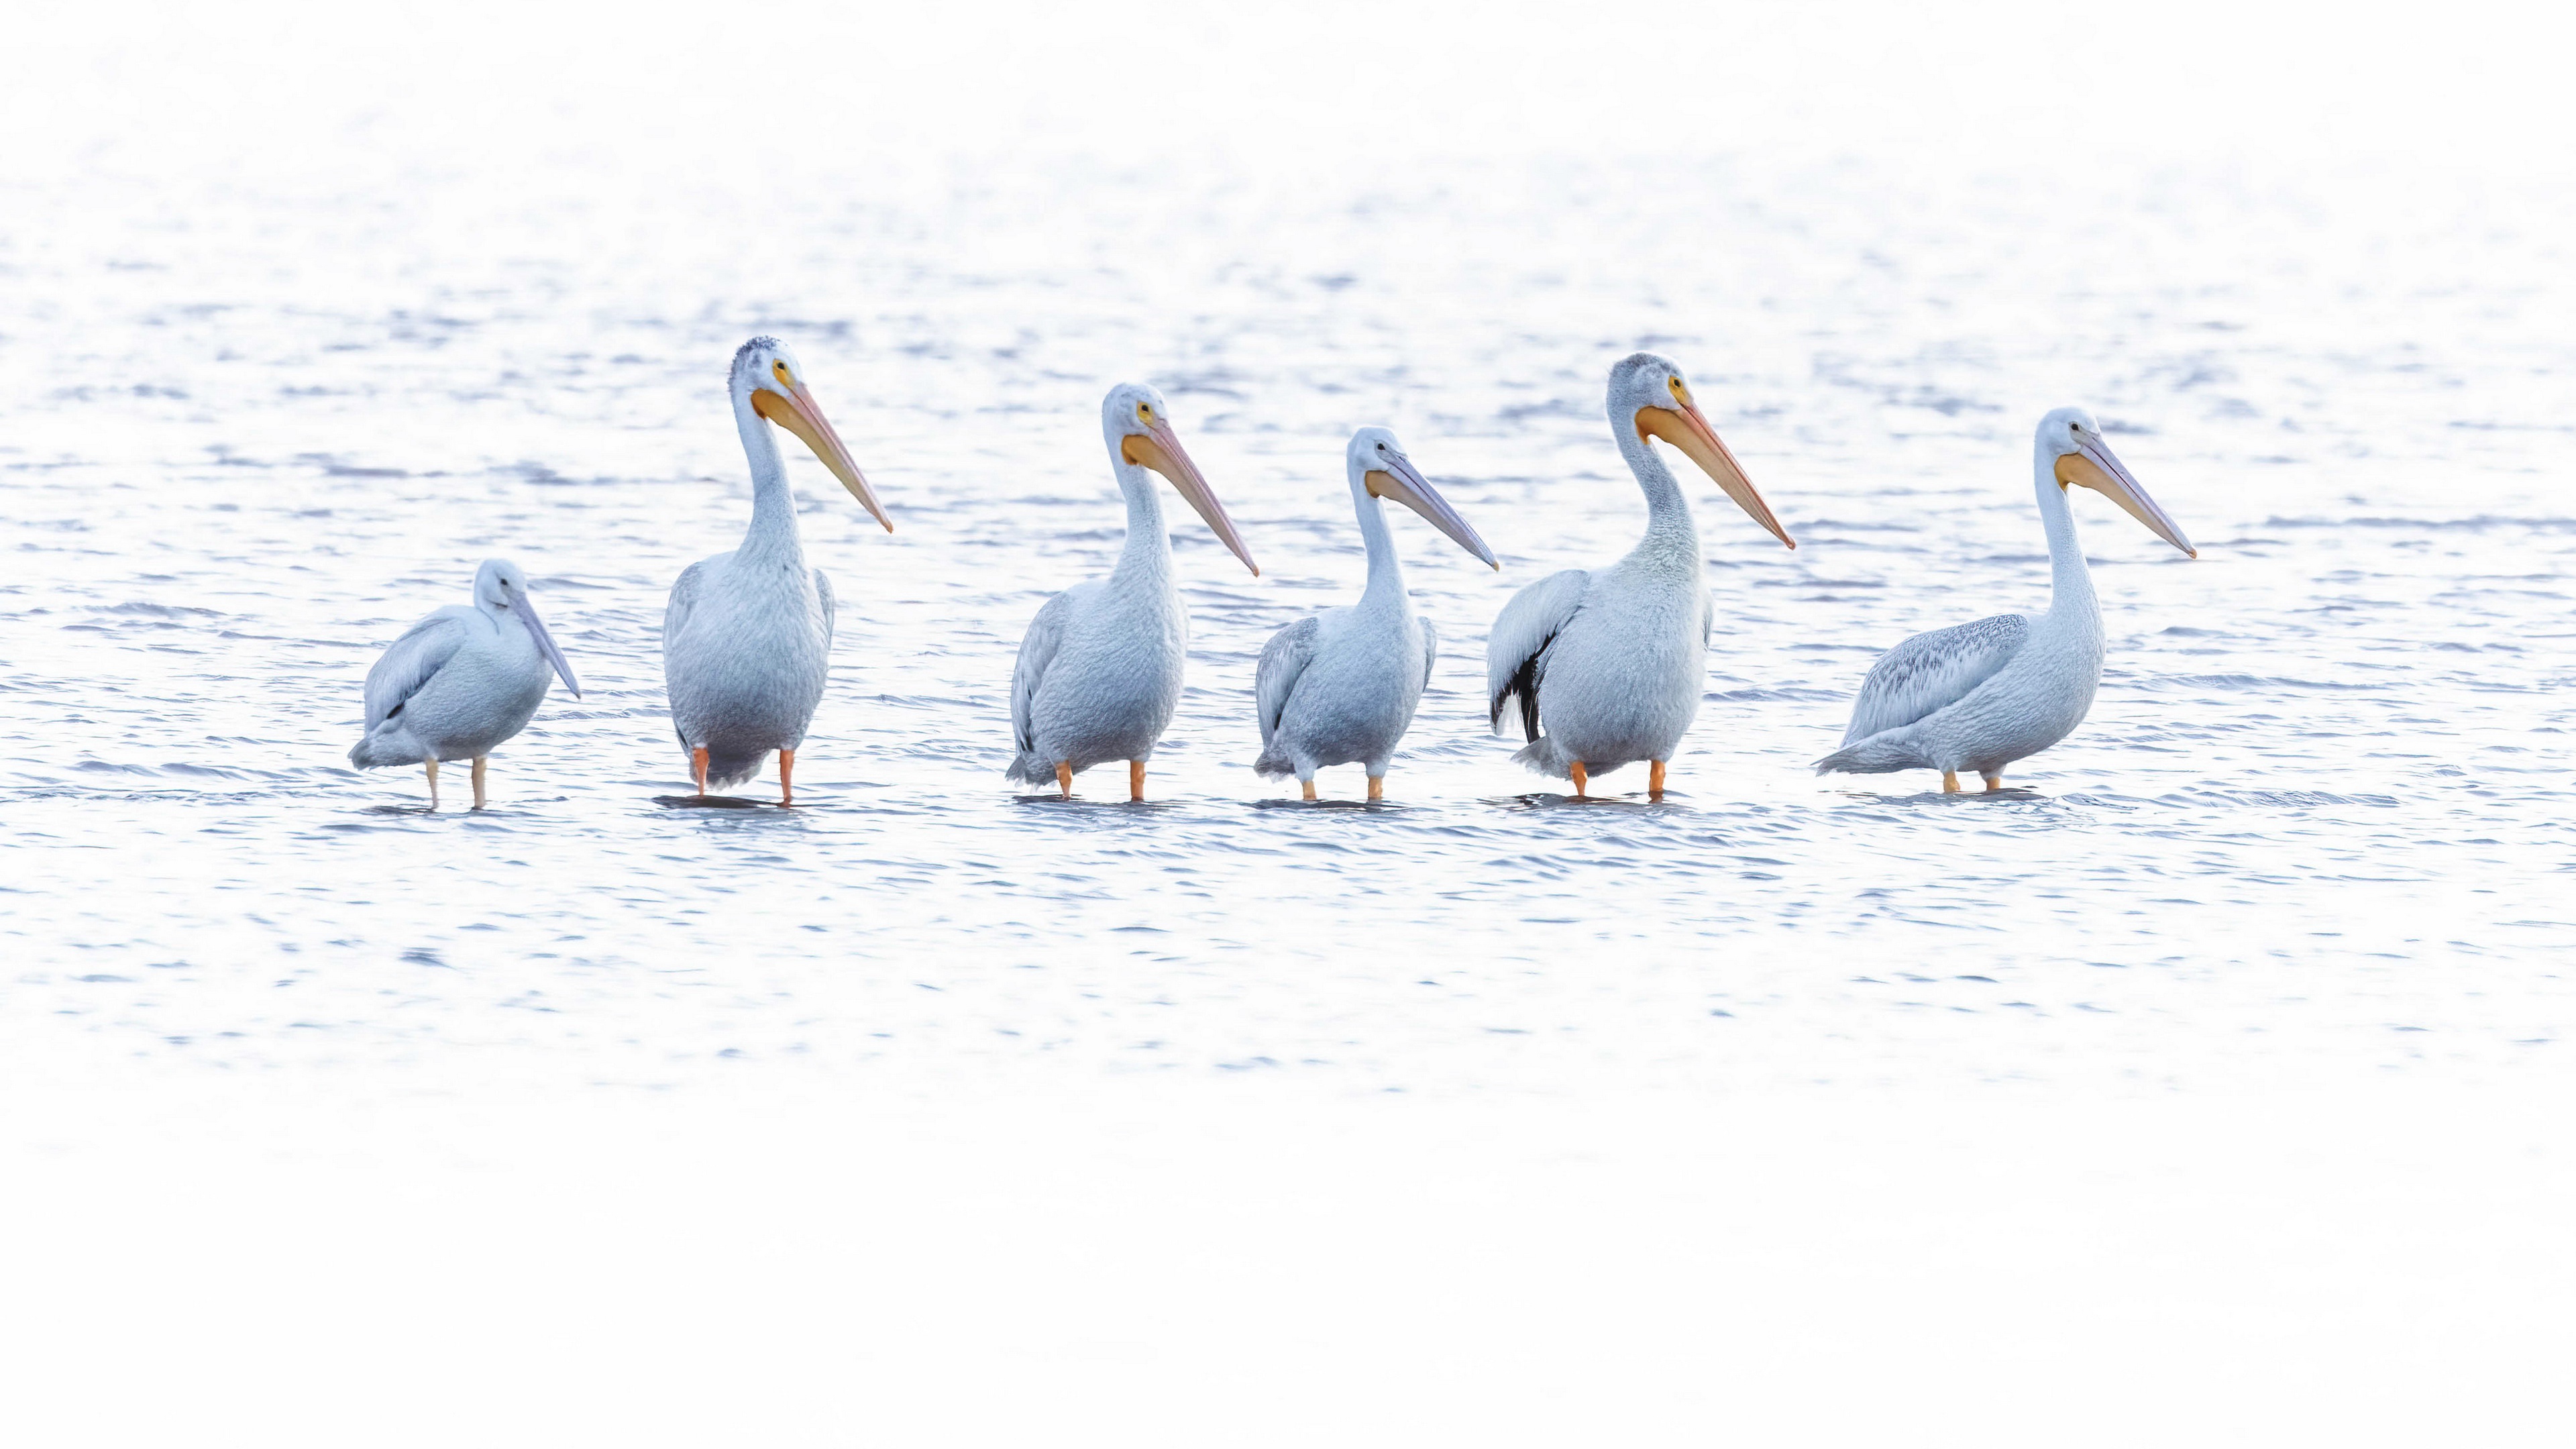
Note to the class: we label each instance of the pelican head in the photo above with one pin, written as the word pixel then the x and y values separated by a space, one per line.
pixel 1139 431
pixel 766 372
pixel 2072 446
pixel 499 588
pixel 1648 394
pixel 1379 469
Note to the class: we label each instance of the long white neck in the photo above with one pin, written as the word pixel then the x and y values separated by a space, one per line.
pixel 1670 531
pixel 1147 555
pixel 2070 594
pixel 1385 574
pixel 773 507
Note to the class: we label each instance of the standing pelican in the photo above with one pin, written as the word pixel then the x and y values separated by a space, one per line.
pixel 461 680
pixel 1609 662
pixel 747 636
pixel 1979 696
pixel 1100 669
pixel 1341 685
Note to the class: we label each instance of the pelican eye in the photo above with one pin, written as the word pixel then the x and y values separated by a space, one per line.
pixel 779 370
pixel 1144 413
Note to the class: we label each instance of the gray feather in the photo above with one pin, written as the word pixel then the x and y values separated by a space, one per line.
pixel 1037 651
pixel 1283 659
pixel 413 660
pixel 1931 671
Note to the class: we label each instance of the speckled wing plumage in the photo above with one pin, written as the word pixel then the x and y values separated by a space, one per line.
pixel 823 591
pixel 1931 671
pixel 1274 680
pixel 1516 652
pixel 1037 651
pixel 684 597
pixel 413 660
pixel 1430 649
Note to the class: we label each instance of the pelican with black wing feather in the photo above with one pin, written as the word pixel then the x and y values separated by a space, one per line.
pixel 1605 666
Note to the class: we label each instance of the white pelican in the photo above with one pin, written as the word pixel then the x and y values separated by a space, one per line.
pixel 1341 686
pixel 747 636
pixel 461 680
pixel 1609 662
pixel 1100 669
pixel 1980 696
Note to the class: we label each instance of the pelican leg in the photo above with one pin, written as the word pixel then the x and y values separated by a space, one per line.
pixel 479 761
pixel 1581 780
pixel 1994 780
pixel 698 770
pixel 1377 787
pixel 432 766
pixel 1310 788
pixel 1949 782
pixel 1654 779
pixel 1135 779
pixel 1064 778
pixel 786 777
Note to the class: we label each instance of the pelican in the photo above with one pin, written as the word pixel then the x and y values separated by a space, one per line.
pixel 1100 669
pixel 1341 686
pixel 1609 661
pixel 461 680
pixel 1979 696
pixel 747 636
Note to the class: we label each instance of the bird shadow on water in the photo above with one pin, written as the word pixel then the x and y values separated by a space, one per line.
pixel 1947 799
pixel 1100 808
pixel 716 802
pixel 1549 800
pixel 1365 807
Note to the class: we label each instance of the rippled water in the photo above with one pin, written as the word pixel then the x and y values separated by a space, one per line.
pixel 2315 827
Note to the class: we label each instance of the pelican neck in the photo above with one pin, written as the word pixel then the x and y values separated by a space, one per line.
pixel 2070 591
pixel 1385 572
pixel 773 506
pixel 1669 526
pixel 1147 554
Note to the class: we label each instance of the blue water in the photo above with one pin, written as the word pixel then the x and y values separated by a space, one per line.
pixel 2315 828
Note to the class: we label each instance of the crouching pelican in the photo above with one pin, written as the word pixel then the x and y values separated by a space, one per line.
pixel 461 681
pixel 747 636
pixel 1341 686
pixel 1100 669
pixel 1609 662
pixel 1979 696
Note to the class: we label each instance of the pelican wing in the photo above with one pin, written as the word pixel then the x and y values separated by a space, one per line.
pixel 1430 650
pixel 1516 652
pixel 684 597
pixel 1037 651
pixel 1283 659
pixel 412 661
pixel 1931 671
pixel 823 591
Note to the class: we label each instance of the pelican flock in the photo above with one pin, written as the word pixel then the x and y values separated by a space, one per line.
pixel 1979 696
pixel 1341 686
pixel 1600 668
pixel 1099 672
pixel 747 635
pixel 461 681
pixel 1606 665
